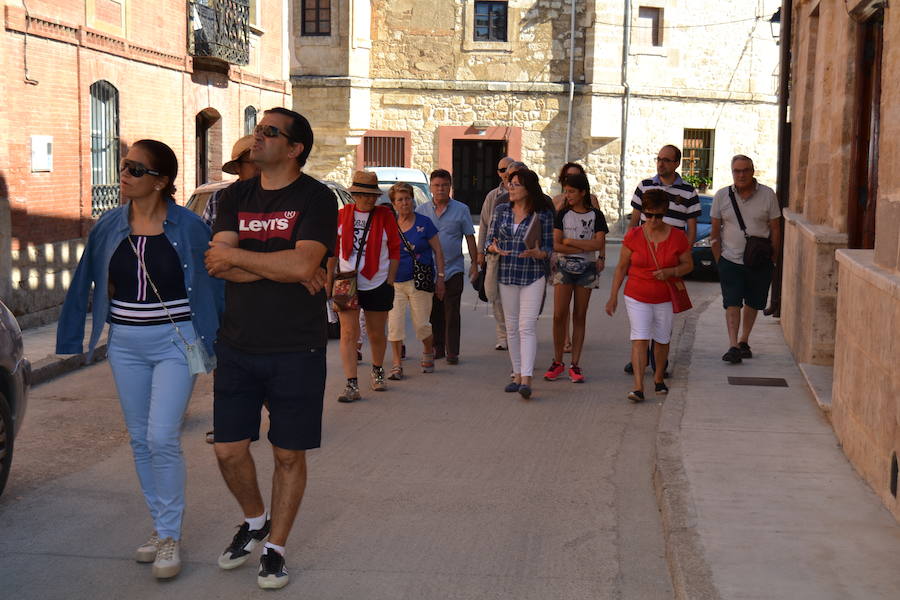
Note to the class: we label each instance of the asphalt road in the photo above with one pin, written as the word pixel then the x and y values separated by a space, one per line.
pixel 441 487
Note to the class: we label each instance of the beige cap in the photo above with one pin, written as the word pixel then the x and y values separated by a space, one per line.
pixel 240 147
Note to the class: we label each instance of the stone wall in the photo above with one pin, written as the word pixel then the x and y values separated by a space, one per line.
pixel 866 393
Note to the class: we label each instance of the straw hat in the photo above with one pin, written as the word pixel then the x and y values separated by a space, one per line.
pixel 240 147
pixel 365 182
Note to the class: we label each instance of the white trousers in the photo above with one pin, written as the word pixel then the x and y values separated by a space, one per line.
pixel 521 307
pixel 650 321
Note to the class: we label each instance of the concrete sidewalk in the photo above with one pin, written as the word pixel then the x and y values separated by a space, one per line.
pixel 40 349
pixel 758 500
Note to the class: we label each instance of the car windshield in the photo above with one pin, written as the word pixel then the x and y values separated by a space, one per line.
pixel 419 192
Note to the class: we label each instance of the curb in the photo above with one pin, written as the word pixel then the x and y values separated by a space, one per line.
pixel 53 366
pixel 691 575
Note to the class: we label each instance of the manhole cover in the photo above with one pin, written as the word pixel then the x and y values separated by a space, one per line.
pixel 761 381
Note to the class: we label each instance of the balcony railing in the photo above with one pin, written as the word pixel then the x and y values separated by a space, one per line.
pixel 104 198
pixel 219 29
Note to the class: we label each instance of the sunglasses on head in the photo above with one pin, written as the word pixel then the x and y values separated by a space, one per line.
pixel 270 131
pixel 651 215
pixel 136 169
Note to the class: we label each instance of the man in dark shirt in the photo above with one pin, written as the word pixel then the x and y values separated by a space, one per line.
pixel 270 240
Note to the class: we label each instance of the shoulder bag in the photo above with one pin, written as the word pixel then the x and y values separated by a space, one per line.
pixel 198 360
pixel 758 250
pixel 423 275
pixel 678 293
pixel 344 294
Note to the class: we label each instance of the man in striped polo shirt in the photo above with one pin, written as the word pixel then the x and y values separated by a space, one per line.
pixel 684 204
pixel 684 207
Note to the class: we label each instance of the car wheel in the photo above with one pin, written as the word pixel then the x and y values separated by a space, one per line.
pixel 6 441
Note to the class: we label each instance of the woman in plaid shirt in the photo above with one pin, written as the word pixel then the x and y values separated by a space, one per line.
pixel 522 234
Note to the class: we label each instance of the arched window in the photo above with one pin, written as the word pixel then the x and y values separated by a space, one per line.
pixel 104 147
pixel 249 119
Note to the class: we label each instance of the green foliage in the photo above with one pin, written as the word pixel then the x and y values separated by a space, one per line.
pixel 698 181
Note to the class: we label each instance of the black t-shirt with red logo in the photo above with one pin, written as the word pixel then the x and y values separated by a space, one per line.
pixel 267 316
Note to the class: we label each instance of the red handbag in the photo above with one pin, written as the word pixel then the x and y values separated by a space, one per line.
pixel 678 293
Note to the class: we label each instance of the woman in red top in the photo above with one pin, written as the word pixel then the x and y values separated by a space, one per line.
pixel 646 292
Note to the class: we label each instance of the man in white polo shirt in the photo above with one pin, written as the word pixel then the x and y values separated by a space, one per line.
pixel 745 287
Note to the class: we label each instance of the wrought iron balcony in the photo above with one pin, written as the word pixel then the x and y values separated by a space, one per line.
pixel 219 29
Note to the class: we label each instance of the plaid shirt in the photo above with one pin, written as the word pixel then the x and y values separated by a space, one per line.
pixel 513 269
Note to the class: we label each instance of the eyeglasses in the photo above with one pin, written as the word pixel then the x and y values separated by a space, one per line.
pixel 651 215
pixel 501 169
pixel 270 131
pixel 136 169
pixel 665 160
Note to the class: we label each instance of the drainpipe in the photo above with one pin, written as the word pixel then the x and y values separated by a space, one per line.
pixel 571 82
pixel 626 48
pixel 783 175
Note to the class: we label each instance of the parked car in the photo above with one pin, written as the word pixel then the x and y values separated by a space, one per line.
pixel 15 378
pixel 388 176
pixel 200 198
pixel 704 263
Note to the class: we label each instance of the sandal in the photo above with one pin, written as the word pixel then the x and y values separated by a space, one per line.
pixel 396 373
pixel 427 362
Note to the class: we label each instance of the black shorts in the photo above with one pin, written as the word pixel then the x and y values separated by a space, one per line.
pixel 292 382
pixel 743 285
pixel 380 299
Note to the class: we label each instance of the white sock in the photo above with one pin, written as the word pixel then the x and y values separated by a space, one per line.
pixel 257 522
pixel 278 549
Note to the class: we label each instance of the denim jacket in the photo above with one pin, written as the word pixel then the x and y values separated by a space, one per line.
pixel 189 236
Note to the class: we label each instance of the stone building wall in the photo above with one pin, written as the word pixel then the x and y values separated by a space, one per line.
pixel 841 307
pixel 425 73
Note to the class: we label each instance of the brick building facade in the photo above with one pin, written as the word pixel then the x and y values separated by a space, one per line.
pixel 840 307
pixel 81 80
pixel 455 84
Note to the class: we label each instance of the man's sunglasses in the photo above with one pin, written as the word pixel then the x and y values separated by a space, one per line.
pixel 270 131
pixel 651 215
pixel 136 169
pixel 501 169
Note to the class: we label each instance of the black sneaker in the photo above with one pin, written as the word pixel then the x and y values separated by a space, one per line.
pixel 733 355
pixel 744 347
pixel 243 543
pixel 272 574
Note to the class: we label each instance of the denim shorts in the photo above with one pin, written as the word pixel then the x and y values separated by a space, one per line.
pixel 292 382
pixel 589 279
pixel 744 285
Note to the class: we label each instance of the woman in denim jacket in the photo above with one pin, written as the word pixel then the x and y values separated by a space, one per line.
pixel 522 234
pixel 144 261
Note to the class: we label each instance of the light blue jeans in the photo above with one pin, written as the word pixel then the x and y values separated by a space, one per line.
pixel 154 384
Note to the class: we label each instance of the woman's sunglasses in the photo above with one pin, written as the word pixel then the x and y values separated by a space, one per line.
pixel 270 131
pixel 651 215
pixel 136 169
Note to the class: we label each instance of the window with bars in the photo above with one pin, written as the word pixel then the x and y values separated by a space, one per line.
pixel 697 155
pixel 316 17
pixel 104 147
pixel 491 21
pixel 250 114
pixel 382 151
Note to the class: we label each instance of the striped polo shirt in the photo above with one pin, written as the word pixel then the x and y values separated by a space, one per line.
pixel 686 207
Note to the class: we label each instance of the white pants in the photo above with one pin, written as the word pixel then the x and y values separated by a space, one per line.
pixel 521 306
pixel 650 321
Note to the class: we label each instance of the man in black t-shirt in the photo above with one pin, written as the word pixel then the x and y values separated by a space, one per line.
pixel 270 239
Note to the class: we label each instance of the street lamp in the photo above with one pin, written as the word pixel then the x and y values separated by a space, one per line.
pixel 775 24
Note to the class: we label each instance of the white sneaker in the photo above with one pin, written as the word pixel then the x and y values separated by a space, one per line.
pixel 168 559
pixel 146 552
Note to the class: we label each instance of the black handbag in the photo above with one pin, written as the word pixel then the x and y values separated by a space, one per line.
pixel 423 275
pixel 758 251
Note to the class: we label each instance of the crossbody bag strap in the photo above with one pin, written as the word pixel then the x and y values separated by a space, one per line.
pixel 409 247
pixel 156 292
pixel 737 211
pixel 362 241
pixel 650 247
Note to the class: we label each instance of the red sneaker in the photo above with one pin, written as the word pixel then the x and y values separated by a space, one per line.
pixel 575 374
pixel 556 369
